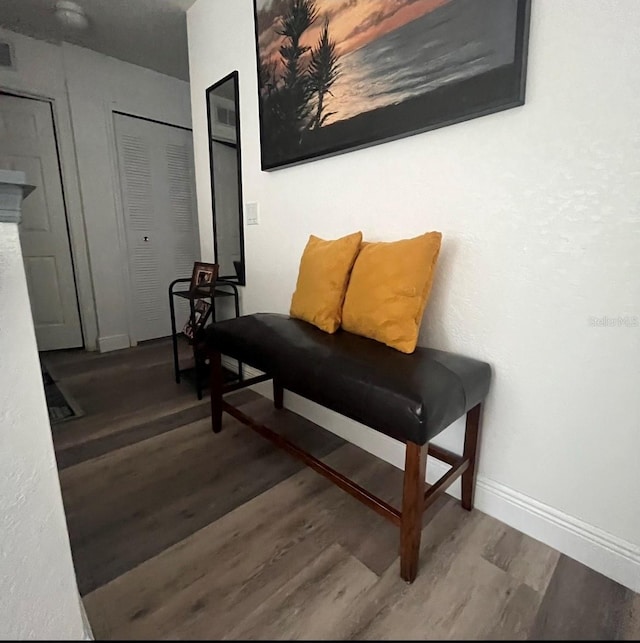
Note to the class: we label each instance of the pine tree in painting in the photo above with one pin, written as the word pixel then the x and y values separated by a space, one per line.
pixel 293 100
pixel 295 103
pixel 323 71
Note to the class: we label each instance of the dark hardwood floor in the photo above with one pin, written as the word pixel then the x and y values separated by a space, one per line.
pixel 178 533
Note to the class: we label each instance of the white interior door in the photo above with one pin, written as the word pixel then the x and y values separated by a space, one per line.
pixel 158 195
pixel 28 143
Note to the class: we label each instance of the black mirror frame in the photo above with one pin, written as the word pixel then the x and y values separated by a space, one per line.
pixel 241 278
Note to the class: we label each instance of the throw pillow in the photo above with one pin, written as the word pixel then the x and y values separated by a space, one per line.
pixel 322 280
pixel 389 288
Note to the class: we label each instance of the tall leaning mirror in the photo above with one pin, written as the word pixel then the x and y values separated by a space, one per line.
pixel 223 115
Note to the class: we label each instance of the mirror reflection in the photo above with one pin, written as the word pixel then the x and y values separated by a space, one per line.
pixel 226 181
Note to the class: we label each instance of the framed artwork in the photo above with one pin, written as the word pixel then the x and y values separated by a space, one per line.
pixel 200 315
pixel 339 75
pixel 203 277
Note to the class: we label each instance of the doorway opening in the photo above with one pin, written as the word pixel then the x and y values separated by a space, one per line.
pixel 28 143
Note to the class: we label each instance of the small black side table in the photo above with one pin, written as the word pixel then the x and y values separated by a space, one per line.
pixel 211 292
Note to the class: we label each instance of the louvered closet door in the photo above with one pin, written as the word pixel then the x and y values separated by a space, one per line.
pixel 157 185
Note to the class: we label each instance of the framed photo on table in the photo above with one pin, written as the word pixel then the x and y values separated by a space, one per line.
pixel 200 314
pixel 203 277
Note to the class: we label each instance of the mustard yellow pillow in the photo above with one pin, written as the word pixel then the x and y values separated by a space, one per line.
pixel 322 280
pixel 389 288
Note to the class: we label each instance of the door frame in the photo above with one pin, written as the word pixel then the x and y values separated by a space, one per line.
pixel 121 218
pixel 74 214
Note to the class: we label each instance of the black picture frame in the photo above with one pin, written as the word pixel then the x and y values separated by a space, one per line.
pixel 203 277
pixel 239 274
pixel 195 324
pixel 498 89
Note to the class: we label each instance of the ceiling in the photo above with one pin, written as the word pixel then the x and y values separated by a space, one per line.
pixel 149 33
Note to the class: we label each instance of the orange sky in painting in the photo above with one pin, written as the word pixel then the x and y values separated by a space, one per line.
pixel 353 23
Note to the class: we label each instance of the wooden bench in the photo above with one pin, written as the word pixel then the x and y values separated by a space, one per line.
pixel 411 398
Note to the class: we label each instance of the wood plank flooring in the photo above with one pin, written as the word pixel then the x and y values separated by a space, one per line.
pixel 177 533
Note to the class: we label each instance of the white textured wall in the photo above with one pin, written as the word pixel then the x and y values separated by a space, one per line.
pixel 86 87
pixel 539 208
pixel 38 594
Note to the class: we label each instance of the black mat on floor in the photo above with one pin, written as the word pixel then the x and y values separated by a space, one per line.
pixel 59 404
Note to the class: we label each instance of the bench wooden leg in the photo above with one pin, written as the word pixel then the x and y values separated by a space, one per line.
pixel 412 508
pixel 215 385
pixel 278 394
pixel 470 453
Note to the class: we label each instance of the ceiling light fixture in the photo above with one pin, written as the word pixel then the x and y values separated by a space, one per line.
pixel 71 15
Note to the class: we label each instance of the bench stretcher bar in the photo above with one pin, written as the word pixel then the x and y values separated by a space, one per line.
pixel 417 494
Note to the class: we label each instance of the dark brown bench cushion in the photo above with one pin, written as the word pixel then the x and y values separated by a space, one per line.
pixel 408 397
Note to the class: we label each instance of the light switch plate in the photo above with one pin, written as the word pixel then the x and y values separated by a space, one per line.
pixel 252 214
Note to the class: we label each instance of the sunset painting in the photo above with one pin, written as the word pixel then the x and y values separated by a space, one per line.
pixel 337 75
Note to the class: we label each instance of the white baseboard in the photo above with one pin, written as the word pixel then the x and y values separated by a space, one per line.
pixel 612 556
pixel 113 343
pixel 608 554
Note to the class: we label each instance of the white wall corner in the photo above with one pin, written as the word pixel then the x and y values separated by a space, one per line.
pixel 37 566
